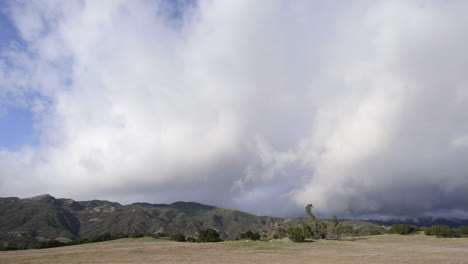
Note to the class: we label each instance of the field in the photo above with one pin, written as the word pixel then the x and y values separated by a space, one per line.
pixel 372 249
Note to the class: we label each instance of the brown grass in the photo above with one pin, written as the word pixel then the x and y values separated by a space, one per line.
pixel 373 249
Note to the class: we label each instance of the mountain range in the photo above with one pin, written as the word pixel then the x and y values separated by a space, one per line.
pixel 29 220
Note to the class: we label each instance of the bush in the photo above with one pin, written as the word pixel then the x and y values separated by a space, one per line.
pixel 208 235
pixel 463 230
pixel 442 231
pixel 135 235
pixel 102 237
pixel 191 239
pixel 13 246
pixel 295 234
pixel 162 235
pixel 374 231
pixel 50 243
pixel 403 229
pixel 177 237
pixel 335 230
pixel 318 228
pixel 281 233
pixel 248 235
pixel 307 230
pixel 368 231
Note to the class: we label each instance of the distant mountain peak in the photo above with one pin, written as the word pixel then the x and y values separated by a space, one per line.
pixel 42 197
pixel 191 205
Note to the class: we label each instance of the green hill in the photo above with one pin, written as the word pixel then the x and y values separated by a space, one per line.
pixel 27 221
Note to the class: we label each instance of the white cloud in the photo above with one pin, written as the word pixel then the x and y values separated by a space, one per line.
pixel 259 106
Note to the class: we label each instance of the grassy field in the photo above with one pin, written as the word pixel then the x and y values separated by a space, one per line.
pixel 373 249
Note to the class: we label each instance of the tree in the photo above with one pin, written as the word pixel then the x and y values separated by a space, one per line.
pixel 318 228
pixel 307 230
pixel 296 235
pixel 442 231
pixel 208 235
pixel 463 231
pixel 403 229
pixel 336 229
pixel 281 232
pixel 308 209
pixel 248 235
pixel 177 237
pixel 191 239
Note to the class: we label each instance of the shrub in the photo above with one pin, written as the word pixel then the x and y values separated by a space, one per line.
pixel 281 233
pixel 296 234
pixel 374 231
pixel 208 235
pixel 368 231
pixel 463 230
pixel 317 227
pixel 335 230
pixel 50 243
pixel 177 237
pixel 10 246
pixel 135 235
pixel 162 235
pixel 102 237
pixel 403 229
pixel 119 235
pixel 442 231
pixel 307 230
pixel 248 235
pixel 191 239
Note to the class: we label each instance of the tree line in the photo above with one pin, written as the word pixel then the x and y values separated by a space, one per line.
pixel 435 230
pixel 313 229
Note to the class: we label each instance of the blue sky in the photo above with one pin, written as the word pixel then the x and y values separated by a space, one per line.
pixel 16 122
pixel 17 128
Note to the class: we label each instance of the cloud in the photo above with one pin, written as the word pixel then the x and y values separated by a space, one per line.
pixel 357 108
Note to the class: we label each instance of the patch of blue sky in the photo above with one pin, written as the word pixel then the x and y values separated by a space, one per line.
pixel 16 121
pixel 174 10
pixel 8 33
pixel 17 128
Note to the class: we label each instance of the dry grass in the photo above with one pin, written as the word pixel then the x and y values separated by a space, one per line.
pixel 374 249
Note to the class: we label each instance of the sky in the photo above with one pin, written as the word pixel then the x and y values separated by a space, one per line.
pixel 358 107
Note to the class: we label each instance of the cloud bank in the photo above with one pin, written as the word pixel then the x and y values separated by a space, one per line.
pixel 359 108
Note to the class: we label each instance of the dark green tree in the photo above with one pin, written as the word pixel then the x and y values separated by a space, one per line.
pixel 463 230
pixel 281 233
pixel 208 235
pixel 307 230
pixel 177 237
pixel 442 231
pixel 248 235
pixel 296 234
pixel 403 229
pixel 318 227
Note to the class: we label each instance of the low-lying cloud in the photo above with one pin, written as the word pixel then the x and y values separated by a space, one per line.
pixel 359 108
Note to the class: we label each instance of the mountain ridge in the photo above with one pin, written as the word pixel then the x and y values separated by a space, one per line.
pixel 42 217
pixel 46 217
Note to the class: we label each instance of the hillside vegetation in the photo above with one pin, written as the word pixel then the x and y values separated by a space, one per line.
pixel 28 221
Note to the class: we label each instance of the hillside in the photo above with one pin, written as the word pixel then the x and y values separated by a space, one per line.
pixel 29 220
